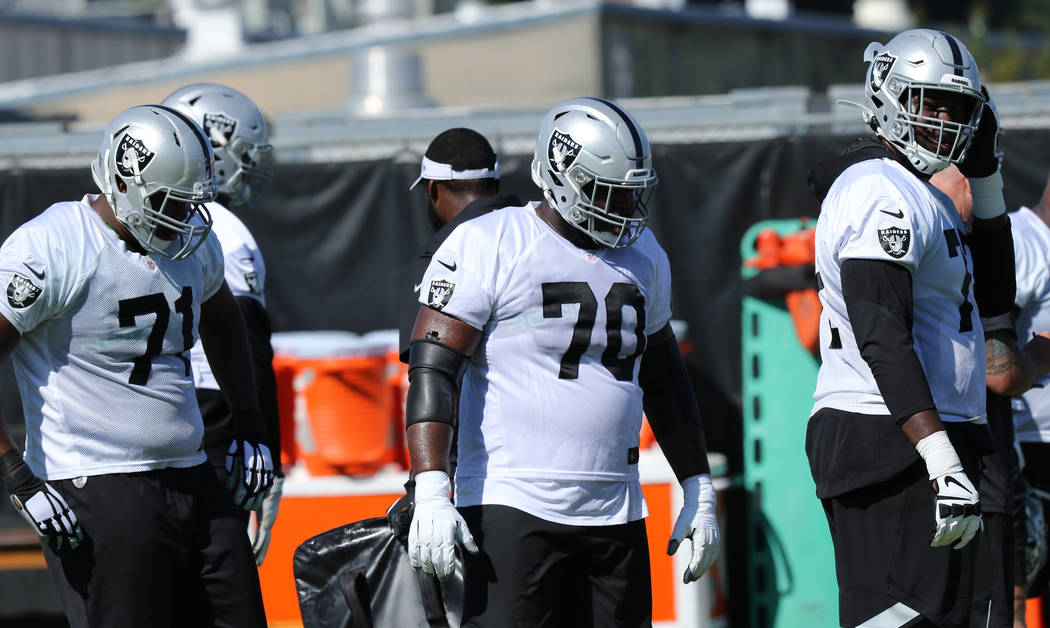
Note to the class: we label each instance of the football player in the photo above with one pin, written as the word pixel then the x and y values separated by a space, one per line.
pixel 105 296
pixel 1010 370
pixel 898 443
pixel 556 314
pixel 1031 412
pixel 237 132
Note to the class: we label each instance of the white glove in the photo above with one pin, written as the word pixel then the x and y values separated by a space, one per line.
pixel 436 527
pixel 698 523
pixel 264 520
pixel 957 508
pixel 50 516
pixel 249 473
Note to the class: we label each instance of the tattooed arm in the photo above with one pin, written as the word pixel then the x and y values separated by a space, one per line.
pixel 1011 369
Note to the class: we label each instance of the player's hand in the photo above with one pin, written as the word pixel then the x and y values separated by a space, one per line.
pixel 264 520
pixel 249 472
pixel 983 156
pixel 697 522
pixel 957 510
pixel 436 527
pixel 40 504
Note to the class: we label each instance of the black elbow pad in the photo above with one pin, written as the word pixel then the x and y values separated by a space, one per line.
pixel 434 371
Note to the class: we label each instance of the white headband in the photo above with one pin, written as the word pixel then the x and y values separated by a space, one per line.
pixel 443 172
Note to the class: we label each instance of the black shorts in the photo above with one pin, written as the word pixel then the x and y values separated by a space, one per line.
pixel 532 573
pixel 883 559
pixel 161 548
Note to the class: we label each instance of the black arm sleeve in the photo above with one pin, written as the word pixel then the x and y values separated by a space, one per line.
pixel 879 304
pixel 257 324
pixel 994 281
pixel 667 393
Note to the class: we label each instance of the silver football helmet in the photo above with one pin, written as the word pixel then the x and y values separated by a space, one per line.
pixel 923 69
pixel 155 168
pixel 238 135
pixel 594 166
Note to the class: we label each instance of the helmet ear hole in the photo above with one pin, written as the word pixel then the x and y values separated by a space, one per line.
pixel 120 185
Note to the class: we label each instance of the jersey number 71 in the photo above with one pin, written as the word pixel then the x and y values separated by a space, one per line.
pixel 157 304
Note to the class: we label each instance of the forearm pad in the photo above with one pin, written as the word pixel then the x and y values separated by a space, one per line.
pixel 668 395
pixel 434 371
pixel 995 285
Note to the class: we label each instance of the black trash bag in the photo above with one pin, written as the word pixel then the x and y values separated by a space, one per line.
pixel 358 576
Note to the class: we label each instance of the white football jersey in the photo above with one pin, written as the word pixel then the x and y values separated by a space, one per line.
pixel 103 361
pixel 878 210
pixel 550 407
pixel 245 275
pixel 1032 261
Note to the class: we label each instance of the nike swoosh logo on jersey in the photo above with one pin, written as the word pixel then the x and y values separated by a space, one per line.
pixel 415 288
pixel 950 480
pixel 38 275
pixel 899 214
pixel 451 266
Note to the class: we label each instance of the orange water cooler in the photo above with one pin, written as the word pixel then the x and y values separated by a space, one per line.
pixel 337 402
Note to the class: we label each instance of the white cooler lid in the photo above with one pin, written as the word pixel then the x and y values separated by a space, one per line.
pixel 323 344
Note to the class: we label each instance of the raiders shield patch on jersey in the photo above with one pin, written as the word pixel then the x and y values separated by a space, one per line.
pixel 880 69
pixel 440 293
pixel 895 241
pixel 129 152
pixel 251 279
pixel 219 128
pixel 21 292
pixel 562 151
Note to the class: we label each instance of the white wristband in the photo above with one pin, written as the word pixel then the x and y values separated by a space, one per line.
pixel 987 195
pixel 432 485
pixel 696 486
pixel 939 454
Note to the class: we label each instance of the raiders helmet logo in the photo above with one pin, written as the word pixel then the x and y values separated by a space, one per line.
pixel 440 293
pixel 895 241
pixel 130 151
pixel 880 69
pixel 21 292
pixel 562 151
pixel 219 128
pixel 251 278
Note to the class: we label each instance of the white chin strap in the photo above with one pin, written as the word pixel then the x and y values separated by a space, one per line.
pixel 435 171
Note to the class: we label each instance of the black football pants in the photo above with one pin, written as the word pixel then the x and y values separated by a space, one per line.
pixel 163 548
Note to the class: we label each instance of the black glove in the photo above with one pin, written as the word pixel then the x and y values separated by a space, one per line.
pixel 399 514
pixel 39 504
pixel 983 156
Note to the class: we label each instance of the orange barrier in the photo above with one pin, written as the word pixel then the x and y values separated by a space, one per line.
pixel 1033 615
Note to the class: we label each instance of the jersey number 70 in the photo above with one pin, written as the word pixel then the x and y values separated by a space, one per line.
pixel 560 293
